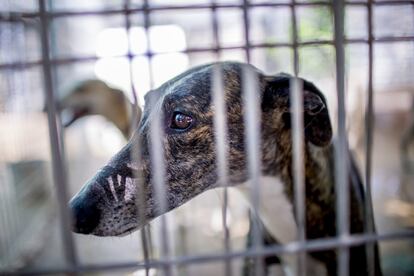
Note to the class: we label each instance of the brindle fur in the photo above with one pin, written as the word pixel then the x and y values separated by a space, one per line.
pixel 190 158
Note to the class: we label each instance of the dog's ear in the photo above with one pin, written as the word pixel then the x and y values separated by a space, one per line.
pixel 317 124
pixel 318 128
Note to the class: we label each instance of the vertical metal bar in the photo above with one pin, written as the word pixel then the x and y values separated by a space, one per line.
pixel 6 222
pixel 59 172
pixel 130 58
pixel 295 39
pixel 220 125
pixel 341 152
pixel 252 123
pixel 248 86
pixel 149 54
pixel 160 193
pixel 221 141
pixel 13 83
pixel 147 23
pixel 298 146
pixel 215 27
pixel 157 153
pixel 246 25
pixel 10 214
pixel 298 172
pixel 146 240
pixel 3 221
pixel 369 124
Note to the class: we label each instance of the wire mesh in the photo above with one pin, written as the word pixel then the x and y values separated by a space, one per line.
pixel 343 241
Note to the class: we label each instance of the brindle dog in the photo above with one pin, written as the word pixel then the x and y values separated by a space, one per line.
pixel 107 204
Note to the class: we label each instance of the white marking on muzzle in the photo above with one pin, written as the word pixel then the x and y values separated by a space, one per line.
pixel 129 189
pixel 111 186
pixel 133 166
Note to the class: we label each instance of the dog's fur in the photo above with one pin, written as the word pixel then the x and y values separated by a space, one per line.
pixel 106 205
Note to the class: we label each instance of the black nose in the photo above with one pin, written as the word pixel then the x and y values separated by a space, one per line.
pixel 85 213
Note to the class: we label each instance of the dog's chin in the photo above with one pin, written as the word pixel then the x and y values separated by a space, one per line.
pixel 127 232
pixel 119 232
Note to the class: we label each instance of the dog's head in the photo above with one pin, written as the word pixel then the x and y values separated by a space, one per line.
pixel 108 204
pixel 95 97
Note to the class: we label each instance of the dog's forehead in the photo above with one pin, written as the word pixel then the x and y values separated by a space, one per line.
pixel 193 84
pixel 193 87
pixel 189 83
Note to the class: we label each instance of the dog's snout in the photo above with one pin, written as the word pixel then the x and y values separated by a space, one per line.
pixel 85 212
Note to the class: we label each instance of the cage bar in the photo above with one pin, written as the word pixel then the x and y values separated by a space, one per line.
pixel 298 146
pixel 61 61
pixel 252 134
pixel 295 39
pixel 369 125
pixel 344 239
pixel 159 187
pixel 221 142
pixel 59 171
pixel 309 246
pixel 18 16
pixel 341 152
pixel 157 153
pixel 215 27
pixel 298 167
pixel 146 237
pixel 246 26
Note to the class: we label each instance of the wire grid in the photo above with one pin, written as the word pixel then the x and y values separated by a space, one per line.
pixel 343 241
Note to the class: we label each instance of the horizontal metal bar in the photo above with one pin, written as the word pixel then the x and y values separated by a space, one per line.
pixel 381 39
pixel 312 245
pixel 16 16
pixel 19 16
pixel 70 60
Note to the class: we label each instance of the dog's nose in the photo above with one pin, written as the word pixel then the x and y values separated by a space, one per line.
pixel 85 213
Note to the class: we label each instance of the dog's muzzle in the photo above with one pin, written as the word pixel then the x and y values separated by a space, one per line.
pixel 107 201
pixel 86 207
pixel 85 211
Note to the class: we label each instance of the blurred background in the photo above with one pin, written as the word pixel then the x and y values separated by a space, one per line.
pixel 87 46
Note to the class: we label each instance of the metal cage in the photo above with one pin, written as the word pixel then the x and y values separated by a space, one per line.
pixel 42 17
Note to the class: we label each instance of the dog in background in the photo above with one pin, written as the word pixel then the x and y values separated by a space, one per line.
pixel 106 205
pixel 95 97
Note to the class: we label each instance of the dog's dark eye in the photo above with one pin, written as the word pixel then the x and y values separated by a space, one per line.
pixel 181 121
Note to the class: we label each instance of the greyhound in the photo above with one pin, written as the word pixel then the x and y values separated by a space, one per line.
pixel 95 97
pixel 107 204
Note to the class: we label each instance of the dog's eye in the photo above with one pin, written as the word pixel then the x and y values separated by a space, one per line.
pixel 181 121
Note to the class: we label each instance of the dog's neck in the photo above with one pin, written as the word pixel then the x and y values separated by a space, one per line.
pixel 276 207
pixel 277 161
